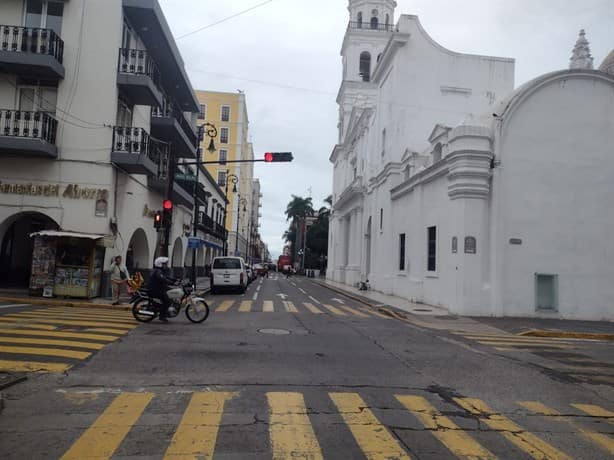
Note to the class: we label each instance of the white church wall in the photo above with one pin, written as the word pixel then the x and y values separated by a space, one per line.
pixel 555 188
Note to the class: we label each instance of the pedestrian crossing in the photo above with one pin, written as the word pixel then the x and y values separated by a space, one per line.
pixel 297 426
pixel 565 351
pixel 271 306
pixel 55 339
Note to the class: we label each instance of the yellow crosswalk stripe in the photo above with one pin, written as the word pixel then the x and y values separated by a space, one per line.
pixel 602 440
pixel 104 436
pixel 91 312
pixel 14 325
pixel 197 432
pixel 246 306
pixel 60 343
pixel 17 318
pixel 60 334
pixel 525 441
pixel 268 306
pixel 290 307
pixel 374 312
pixel 595 411
pixel 312 308
pixel 373 438
pixel 44 352
pixel 32 366
pixel 335 310
pixel 290 429
pixel 105 330
pixel 445 430
pixel 77 317
pixel 355 312
pixel 531 345
pixel 225 306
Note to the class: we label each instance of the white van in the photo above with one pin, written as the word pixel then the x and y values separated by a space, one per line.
pixel 228 273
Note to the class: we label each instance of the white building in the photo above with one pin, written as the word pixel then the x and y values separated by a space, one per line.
pixel 452 189
pixel 94 104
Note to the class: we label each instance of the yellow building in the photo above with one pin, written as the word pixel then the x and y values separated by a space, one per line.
pixel 228 112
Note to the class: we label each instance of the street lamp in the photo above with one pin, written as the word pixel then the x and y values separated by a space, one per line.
pixel 234 179
pixel 242 201
pixel 206 129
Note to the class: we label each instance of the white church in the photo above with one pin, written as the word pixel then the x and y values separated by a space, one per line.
pixel 509 213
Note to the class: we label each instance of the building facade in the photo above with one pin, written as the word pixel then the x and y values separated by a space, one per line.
pixel 96 110
pixel 456 190
pixel 228 112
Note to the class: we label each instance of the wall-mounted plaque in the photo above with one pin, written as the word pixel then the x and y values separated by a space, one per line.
pixel 454 245
pixel 516 241
pixel 470 245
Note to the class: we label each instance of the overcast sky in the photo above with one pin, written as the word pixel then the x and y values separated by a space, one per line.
pixel 285 56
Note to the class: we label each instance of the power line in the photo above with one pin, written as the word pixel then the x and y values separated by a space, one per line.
pixel 223 20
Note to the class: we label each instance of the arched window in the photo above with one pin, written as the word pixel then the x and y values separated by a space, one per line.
pixel 374 23
pixel 365 66
pixel 359 20
pixel 437 153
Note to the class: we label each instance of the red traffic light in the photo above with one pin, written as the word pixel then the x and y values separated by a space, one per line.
pixel 268 157
pixel 272 157
pixel 167 205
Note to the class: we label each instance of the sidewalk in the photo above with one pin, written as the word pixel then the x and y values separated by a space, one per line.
pixel 439 318
pixel 13 296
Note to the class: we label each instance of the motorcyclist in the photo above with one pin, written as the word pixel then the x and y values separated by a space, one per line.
pixel 158 285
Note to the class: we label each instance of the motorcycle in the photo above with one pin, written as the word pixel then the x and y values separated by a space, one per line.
pixel 146 308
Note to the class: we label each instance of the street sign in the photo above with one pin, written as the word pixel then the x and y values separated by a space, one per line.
pixel 194 243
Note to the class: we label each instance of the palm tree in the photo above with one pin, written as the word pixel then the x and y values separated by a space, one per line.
pixel 298 208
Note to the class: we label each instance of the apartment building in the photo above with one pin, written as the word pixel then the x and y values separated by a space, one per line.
pixel 96 110
pixel 228 113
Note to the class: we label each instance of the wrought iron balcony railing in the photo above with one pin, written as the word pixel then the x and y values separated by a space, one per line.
pixel 138 62
pixel 369 26
pixel 138 141
pixel 27 124
pixel 206 221
pixel 31 40
pixel 170 110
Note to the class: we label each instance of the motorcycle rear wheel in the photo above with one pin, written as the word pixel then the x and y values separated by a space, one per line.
pixel 143 304
pixel 197 312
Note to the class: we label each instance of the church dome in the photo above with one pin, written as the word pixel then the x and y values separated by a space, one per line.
pixel 607 65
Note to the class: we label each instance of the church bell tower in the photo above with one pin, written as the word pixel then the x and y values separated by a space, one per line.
pixel 370 27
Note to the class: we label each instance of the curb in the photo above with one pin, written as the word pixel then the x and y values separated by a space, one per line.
pixel 567 335
pixel 347 294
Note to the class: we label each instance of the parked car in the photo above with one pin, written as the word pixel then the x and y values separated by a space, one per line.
pixel 228 273
pixel 260 269
pixel 250 274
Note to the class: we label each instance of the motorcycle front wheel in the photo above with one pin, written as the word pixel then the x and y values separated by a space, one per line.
pixel 143 312
pixel 197 311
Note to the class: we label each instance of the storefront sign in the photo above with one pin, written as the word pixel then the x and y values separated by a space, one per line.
pixel 73 191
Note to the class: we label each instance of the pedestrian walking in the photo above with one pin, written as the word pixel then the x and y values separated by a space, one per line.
pixel 119 278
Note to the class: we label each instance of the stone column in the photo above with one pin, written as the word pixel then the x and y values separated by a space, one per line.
pixel 469 175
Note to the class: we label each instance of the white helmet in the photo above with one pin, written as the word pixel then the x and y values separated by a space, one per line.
pixel 160 261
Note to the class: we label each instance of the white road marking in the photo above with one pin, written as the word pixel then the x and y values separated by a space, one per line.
pixel 302 290
pixel 15 305
pixel 255 297
pixel 338 301
pixel 283 296
pixel 315 300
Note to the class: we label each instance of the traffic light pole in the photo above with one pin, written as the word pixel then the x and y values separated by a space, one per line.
pixel 194 222
pixel 169 196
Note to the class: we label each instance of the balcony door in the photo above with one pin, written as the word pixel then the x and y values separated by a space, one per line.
pixel 36 98
pixel 44 14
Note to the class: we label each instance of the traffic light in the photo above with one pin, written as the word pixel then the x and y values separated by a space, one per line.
pixel 272 157
pixel 167 213
pixel 158 220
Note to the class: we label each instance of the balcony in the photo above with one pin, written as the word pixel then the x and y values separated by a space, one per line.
pixel 205 223
pixel 138 77
pixel 180 194
pixel 147 17
pixel 136 153
pixel 368 26
pixel 169 125
pixel 31 51
pixel 27 134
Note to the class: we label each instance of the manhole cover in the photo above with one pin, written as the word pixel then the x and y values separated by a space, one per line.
pixel 274 331
pixel 422 309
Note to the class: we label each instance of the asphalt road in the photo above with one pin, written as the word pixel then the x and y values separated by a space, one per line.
pixel 293 370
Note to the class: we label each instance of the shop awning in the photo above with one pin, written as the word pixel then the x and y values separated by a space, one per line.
pixel 212 245
pixel 61 234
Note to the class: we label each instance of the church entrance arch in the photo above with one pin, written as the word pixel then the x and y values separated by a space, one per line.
pixel 16 246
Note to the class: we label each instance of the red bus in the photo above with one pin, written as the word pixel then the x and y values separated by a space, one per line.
pixel 283 262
